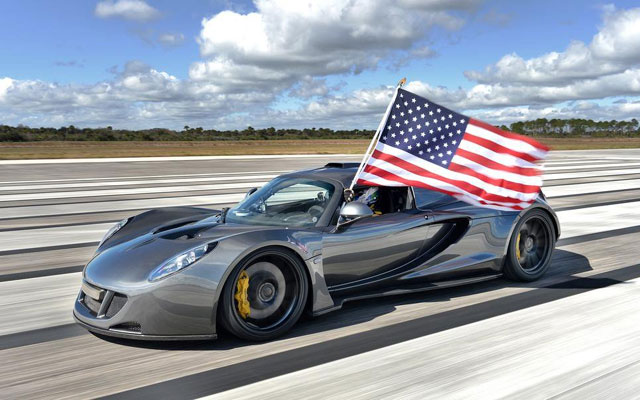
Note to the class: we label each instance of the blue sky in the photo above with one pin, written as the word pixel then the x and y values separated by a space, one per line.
pixel 222 64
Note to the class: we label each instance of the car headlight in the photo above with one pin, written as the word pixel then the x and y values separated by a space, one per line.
pixel 112 231
pixel 180 262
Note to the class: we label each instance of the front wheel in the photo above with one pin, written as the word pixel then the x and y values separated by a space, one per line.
pixel 265 295
pixel 531 247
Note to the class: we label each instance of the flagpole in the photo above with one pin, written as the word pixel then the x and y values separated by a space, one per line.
pixel 348 193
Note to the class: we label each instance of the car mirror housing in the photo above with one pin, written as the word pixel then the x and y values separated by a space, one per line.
pixel 353 211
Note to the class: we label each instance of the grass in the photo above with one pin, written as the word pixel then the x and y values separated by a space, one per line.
pixel 33 150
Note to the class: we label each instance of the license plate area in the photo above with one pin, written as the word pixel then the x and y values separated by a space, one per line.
pixel 92 291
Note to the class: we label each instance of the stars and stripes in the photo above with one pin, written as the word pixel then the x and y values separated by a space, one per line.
pixel 426 145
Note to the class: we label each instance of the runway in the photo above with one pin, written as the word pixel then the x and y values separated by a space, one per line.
pixel 573 334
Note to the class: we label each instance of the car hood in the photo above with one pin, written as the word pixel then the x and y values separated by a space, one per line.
pixel 130 262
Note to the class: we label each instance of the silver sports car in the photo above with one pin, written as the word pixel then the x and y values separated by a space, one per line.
pixel 294 245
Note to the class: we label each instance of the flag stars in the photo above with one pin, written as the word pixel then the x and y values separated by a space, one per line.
pixel 415 119
pixel 393 116
pixel 406 140
pixel 419 126
pixel 454 142
pixel 450 134
pixel 397 105
pixel 431 131
pixel 430 112
pixel 450 116
pixel 437 147
pixel 409 147
pixel 413 100
pixel 435 120
pixel 426 105
pixel 440 155
pixel 454 123
pixel 432 157
pixel 429 150
pixel 414 137
pixel 402 114
pixel 442 118
pixel 406 121
pixel 422 134
pixel 446 126
pixel 402 132
pixel 422 115
pixel 458 131
pixel 449 152
pixel 462 121
pixel 446 144
pixel 406 103
pixel 397 143
pixel 438 110
pixel 410 130
pixel 393 135
pixel 442 137
pixel 410 111
pixel 421 152
pixel 397 124
pixel 444 162
pixel 418 108
pixel 439 128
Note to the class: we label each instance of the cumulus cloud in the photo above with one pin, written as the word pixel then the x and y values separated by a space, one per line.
pixel 287 40
pixel 134 10
pixel 614 49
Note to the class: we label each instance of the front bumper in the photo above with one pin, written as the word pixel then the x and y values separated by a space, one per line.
pixel 170 310
pixel 139 336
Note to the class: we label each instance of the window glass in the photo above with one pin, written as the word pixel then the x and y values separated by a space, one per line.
pixel 426 198
pixel 295 202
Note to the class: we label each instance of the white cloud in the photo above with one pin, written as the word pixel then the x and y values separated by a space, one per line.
pixel 613 50
pixel 171 39
pixel 135 10
pixel 287 40
pixel 5 85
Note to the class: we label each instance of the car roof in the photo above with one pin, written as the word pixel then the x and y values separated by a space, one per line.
pixel 342 172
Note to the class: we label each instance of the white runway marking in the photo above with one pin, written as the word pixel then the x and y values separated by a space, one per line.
pixel 591 174
pixel 109 178
pixel 45 237
pixel 35 303
pixel 105 206
pixel 186 158
pixel 594 187
pixel 536 352
pixel 121 192
pixel 130 183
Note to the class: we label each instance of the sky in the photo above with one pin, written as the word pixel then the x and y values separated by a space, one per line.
pixel 140 64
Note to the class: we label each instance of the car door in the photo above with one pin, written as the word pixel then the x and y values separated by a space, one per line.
pixel 371 246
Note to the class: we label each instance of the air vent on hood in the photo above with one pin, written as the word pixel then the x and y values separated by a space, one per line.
pixel 174 226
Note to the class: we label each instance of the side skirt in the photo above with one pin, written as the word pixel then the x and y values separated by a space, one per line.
pixel 394 292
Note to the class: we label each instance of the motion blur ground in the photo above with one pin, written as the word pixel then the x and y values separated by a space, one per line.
pixel 573 333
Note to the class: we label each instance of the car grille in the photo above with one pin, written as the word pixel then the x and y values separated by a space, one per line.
pixel 106 305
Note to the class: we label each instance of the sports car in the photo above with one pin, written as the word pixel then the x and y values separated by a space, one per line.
pixel 295 246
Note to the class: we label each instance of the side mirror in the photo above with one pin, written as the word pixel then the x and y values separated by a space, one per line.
pixel 250 192
pixel 353 211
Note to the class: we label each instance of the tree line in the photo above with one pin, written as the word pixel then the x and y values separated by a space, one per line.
pixel 538 127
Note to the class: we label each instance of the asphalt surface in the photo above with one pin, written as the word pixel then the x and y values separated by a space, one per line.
pixel 573 334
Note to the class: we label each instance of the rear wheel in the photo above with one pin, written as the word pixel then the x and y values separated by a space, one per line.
pixel 265 295
pixel 531 247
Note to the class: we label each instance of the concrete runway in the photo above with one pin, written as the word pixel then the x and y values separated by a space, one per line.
pixel 573 334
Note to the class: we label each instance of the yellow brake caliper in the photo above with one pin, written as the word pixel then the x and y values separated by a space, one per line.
pixel 241 296
pixel 518 247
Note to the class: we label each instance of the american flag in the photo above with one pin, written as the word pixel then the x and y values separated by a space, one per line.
pixel 426 145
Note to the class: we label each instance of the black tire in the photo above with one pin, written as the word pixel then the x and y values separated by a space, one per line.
pixel 535 247
pixel 277 293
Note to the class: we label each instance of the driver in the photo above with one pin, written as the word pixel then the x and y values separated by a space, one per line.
pixel 370 198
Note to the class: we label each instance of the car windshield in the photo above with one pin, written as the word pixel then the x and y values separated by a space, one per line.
pixel 296 202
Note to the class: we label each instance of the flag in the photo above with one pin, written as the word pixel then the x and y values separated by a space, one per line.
pixel 426 145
